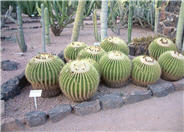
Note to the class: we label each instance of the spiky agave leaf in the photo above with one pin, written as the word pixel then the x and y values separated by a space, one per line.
pixel 72 50
pixel 42 72
pixel 114 43
pixel 172 65
pixel 91 52
pixel 116 68
pixel 159 46
pixel 79 80
pixel 145 70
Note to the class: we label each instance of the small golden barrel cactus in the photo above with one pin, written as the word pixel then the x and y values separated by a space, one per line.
pixel 42 72
pixel 94 63
pixel 79 80
pixel 159 46
pixel 72 50
pixel 91 52
pixel 145 70
pixel 114 43
pixel 172 65
pixel 116 68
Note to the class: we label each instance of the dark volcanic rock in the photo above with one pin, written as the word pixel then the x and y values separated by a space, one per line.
pixel 8 65
pixel 61 55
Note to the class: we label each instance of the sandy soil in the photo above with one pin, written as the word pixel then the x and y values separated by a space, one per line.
pixel 156 114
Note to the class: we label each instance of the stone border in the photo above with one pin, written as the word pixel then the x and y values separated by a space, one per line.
pixel 103 102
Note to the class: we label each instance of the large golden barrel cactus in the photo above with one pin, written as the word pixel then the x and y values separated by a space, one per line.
pixel 42 72
pixel 116 68
pixel 72 50
pixel 145 70
pixel 114 43
pixel 159 46
pixel 79 80
pixel 91 52
pixel 172 65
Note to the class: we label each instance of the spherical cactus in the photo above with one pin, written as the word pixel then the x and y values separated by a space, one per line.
pixel 116 68
pixel 91 52
pixel 172 65
pixel 114 43
pixel 95 64
pixel 159 46
pixel 79 80
pixel 42 72
pixel 72 50
pixel 145 70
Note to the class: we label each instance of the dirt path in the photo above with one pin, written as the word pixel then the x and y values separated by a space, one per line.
pixel 156 114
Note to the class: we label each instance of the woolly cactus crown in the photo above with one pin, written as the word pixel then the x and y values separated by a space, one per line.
pixel 42 72
pixel 72 50
pixel 172 64
pixel 79 80
pixel 91 52
pixel 159 46
pixel 114 43
pixel 116 68
pixel 146 70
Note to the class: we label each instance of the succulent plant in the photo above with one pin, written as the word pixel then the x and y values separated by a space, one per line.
pixel 116 68
pixel 159 46
pixel 114 43
pixel 172 65
pixel 79 80
pixel 91 52
pixel 145 70
pixel 95 64
pixel 72 50
pixel 42 72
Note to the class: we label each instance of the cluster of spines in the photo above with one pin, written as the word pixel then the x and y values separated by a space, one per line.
pixel 114 43
pixel 79 86
pixel 42 72
pixel 95 64
pixel 115 70
pixel 145 70
pixel 172 65
pixel 72 50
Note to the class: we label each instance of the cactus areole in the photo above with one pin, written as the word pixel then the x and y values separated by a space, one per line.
pixel 91 52
pixel 115 68
pixel 159 46
pixel 42 72
pixel 79 80
pixel 172 64
pixel 145 70
pixel 72 50
pixel 114 43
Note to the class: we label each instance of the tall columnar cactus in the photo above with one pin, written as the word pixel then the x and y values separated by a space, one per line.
pixel 79 80
pixel 130 15
pixel 180 28
pixel 114 43
pixel 97 37
pixel 73 49
pixel 104 19
pixel 91 52
pixel 172 65
pixel 156 17
pixel 78 20
pixel 46 19
pixel 145 70
pixel 42 72
pixel 43 28
pixel 116 68
pixel 159 46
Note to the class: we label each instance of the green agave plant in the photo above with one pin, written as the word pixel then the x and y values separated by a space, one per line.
pixel 116 68
pixel 114 43
pixel 79 80
pixel 172 65
pixel 42 72
pixel 159 46
pixel 72 50
pixel 145 70
pixel 91 52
